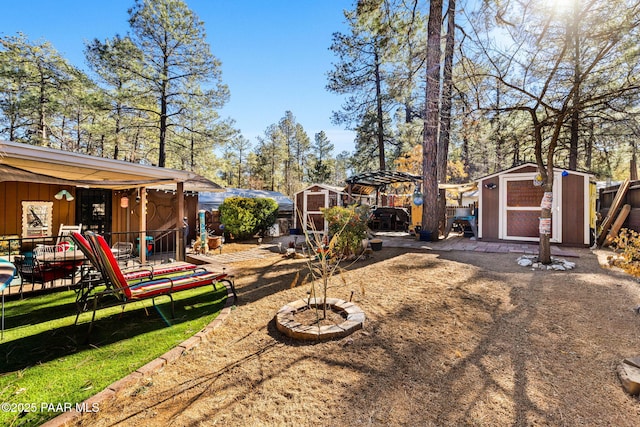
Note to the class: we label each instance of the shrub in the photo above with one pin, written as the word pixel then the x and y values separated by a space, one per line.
pixel 348 225
pixel 347 230
pixel 266 213
pixel 244 216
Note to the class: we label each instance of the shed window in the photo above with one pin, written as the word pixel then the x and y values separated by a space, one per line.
pixel 523 194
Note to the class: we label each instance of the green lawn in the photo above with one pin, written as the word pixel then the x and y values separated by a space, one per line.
pixel 46 362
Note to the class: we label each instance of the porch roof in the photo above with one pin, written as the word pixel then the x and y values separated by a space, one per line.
pixel 24 162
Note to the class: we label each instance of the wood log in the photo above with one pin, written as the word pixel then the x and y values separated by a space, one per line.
pixel 613 211
pixel 615 228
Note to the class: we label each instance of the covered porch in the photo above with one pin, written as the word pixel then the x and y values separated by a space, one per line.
pixel 153 210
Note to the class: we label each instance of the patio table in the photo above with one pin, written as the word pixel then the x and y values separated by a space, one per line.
pixel 45 267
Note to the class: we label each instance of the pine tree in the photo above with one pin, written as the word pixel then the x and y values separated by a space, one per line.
pixel 322 149
pixel 176 65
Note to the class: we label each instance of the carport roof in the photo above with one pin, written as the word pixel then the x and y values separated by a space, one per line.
pixel 382 178
pixel 42 164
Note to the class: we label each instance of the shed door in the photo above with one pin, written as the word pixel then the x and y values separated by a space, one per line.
pixel 313 221
pixel 520 208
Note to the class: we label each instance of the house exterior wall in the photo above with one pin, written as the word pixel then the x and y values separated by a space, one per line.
pixel 161 213
pixel 12 194
pixel 160 207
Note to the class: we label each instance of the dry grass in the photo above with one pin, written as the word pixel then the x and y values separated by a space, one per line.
pixel 456 338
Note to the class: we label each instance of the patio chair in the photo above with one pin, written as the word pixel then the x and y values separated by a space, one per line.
pixel 92 276
pixel 64 233
pixel 138 271
pixel 126 291
pixel 123 251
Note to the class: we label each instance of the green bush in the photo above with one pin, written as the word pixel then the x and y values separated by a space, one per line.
pixel 348 226
pixel 244 216
pixel 266 214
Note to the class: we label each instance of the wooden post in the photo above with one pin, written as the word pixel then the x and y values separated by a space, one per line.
pixel 143 225
pixel 180 242
pixel 615 228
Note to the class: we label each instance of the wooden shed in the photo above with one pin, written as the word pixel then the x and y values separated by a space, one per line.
pixel 308 205
pixel 509 206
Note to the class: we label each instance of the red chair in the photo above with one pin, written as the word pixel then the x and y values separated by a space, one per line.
pixel 135 272
pixel 92 277
pixel 127 289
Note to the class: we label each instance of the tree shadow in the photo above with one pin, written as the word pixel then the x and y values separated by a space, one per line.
pixel 283 274
pixel 58 342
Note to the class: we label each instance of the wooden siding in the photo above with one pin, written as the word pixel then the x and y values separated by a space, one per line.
pixel 12 194
pixel 632 198
pixel 161 208
pixel 314 203
pixel 572 209
pixel 523 223
pixel 161 212
pixel 491 209
pixel 297 220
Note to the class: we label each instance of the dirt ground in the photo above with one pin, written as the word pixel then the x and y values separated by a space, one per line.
pixel 451 339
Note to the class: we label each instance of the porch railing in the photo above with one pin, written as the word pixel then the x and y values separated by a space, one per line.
pixel 159 246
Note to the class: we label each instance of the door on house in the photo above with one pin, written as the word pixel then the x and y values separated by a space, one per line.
pixel 520 208
pixel 93 209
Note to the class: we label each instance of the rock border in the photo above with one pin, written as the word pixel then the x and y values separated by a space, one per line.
pixel 286 324
pixel 629 374
pixel 558 264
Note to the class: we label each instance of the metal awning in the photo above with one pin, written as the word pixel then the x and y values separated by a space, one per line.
pixel 47 165
pixel 382 178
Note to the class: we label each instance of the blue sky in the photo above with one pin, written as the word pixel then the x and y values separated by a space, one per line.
pixel 275 54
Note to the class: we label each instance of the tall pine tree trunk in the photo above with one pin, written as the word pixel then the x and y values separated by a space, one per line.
pixel 445 119
pixel 432 116
pixel 577 75
pixel 163 115
pixel 379 113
